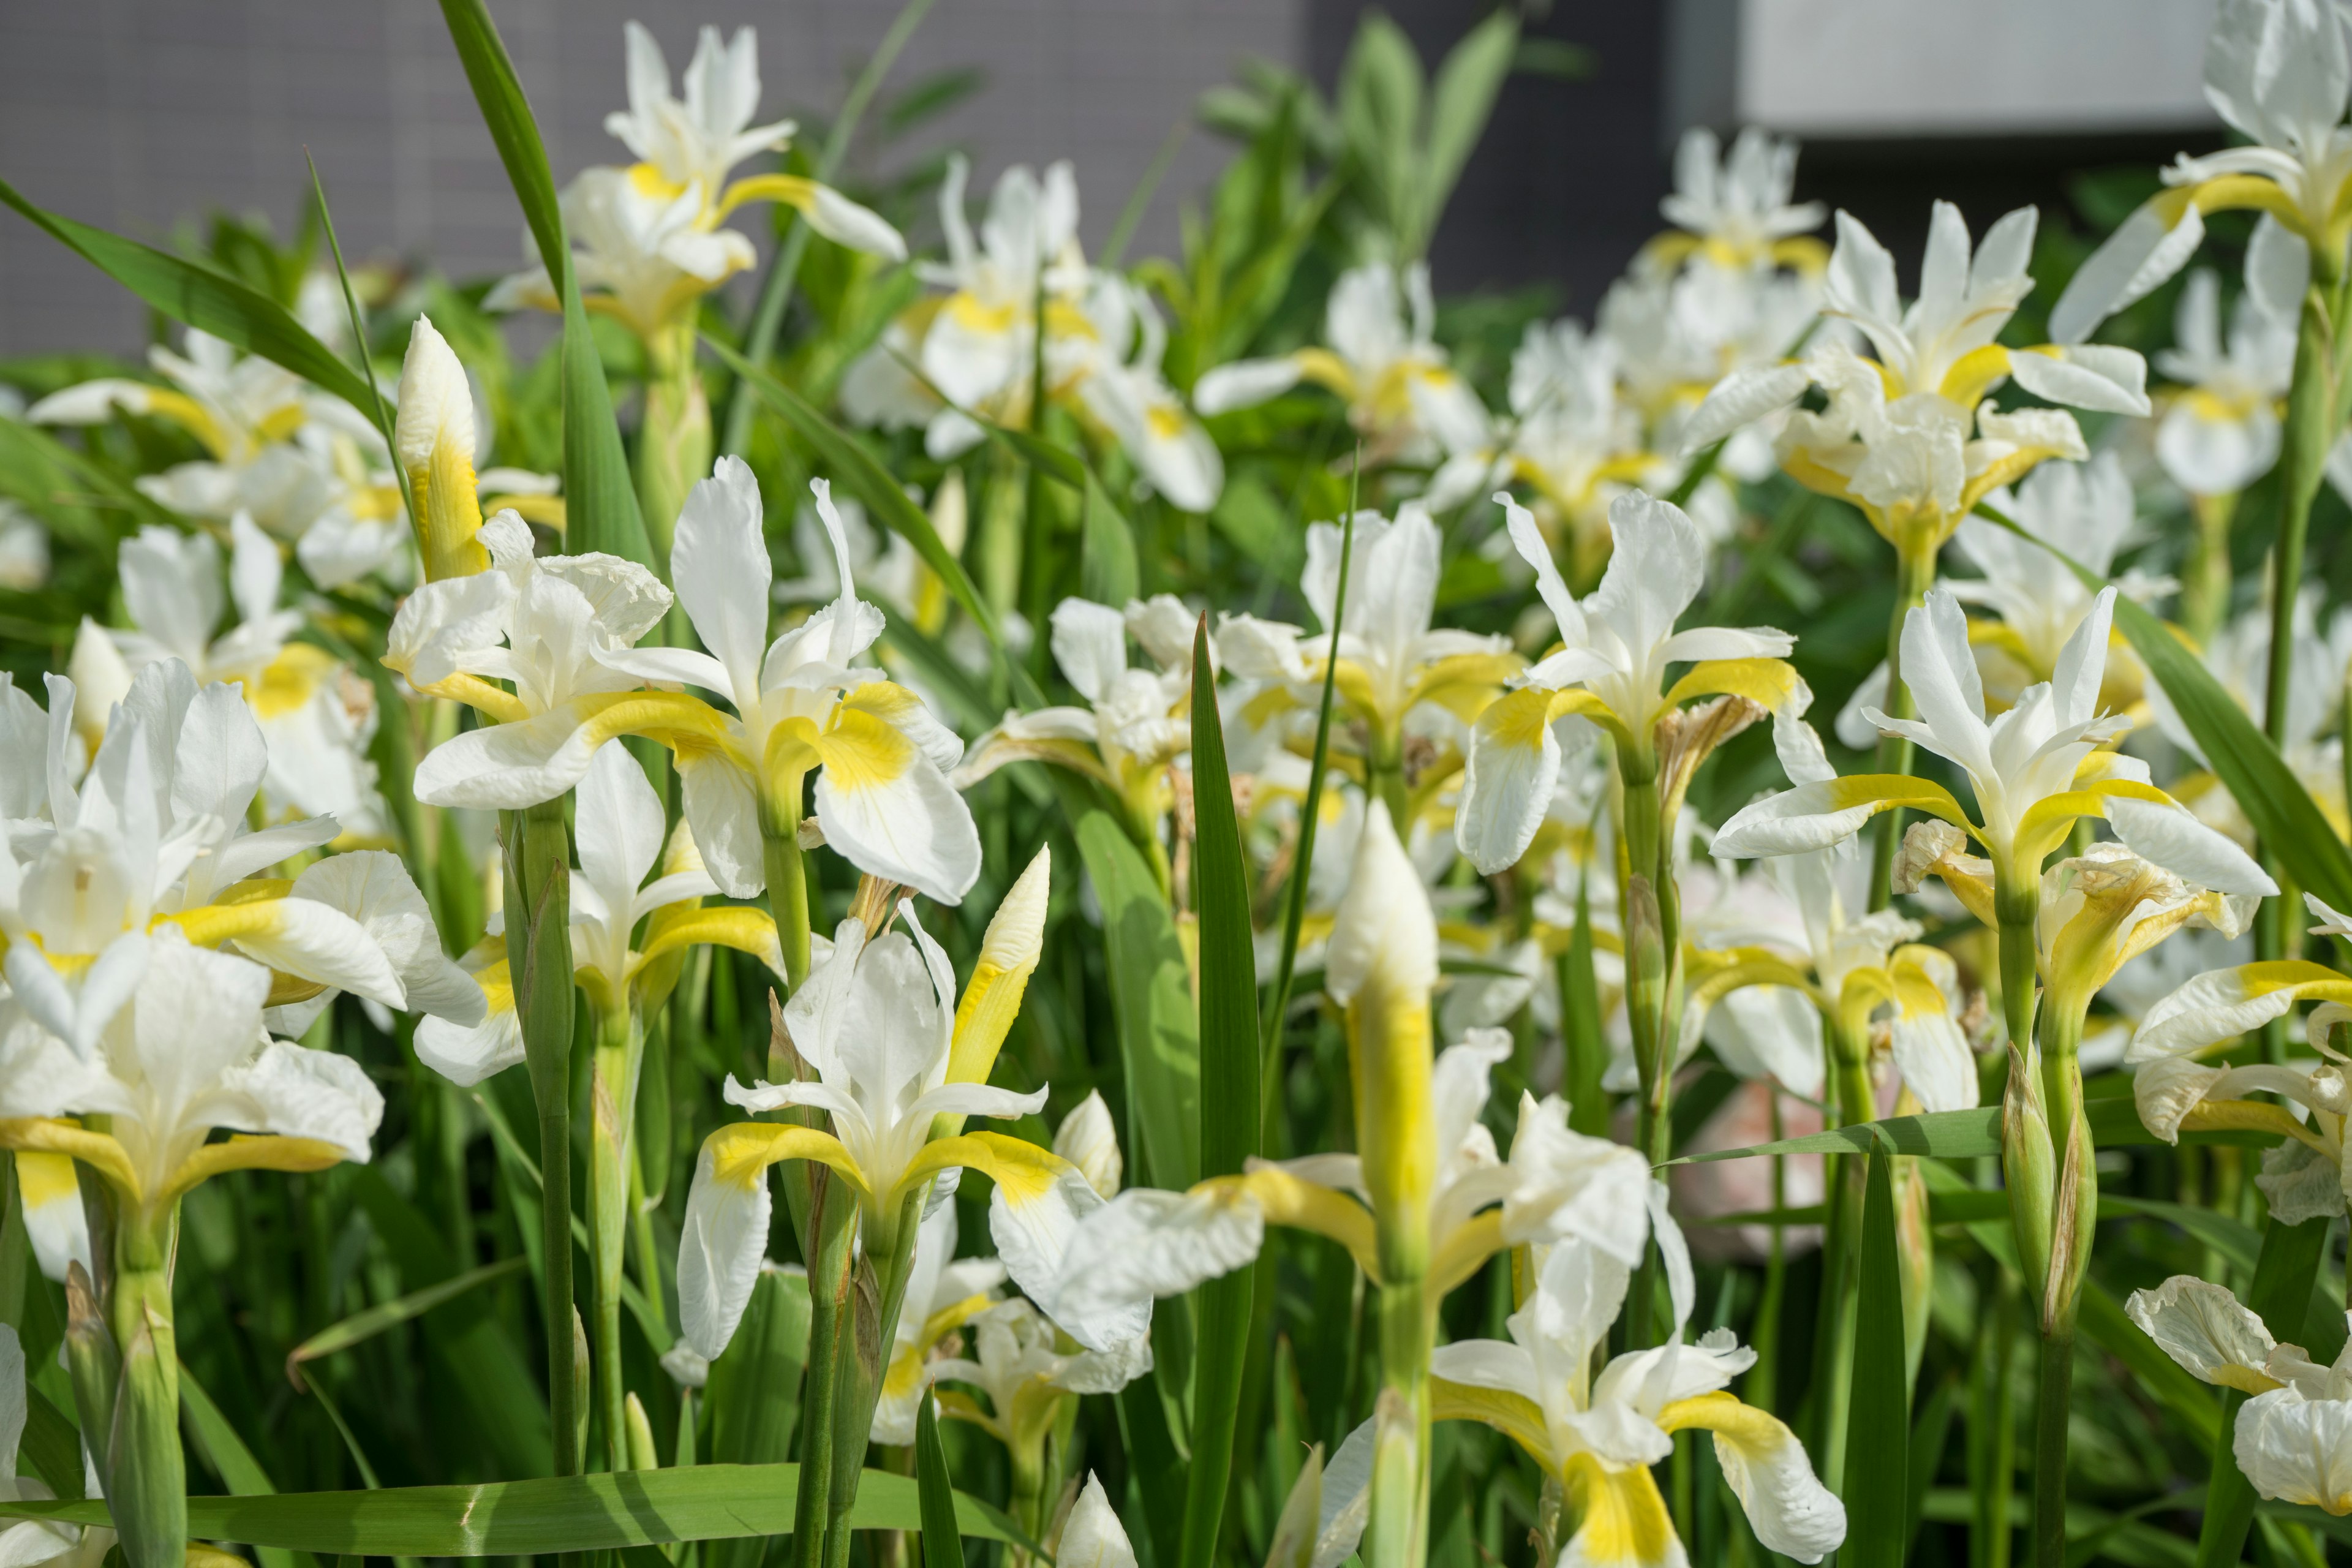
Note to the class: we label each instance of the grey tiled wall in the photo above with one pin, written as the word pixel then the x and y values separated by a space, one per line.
pixel 137 114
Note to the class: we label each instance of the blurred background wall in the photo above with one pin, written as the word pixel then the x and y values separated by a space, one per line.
pixel 141 114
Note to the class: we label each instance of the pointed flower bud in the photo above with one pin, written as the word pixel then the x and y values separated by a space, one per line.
pixel 1087 1140
pixel 1008 953
pixel 1383 967
pixel 433 438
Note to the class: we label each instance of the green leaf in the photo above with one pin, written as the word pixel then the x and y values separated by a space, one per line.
pixel 2288 821
pixel 1554 57
pixel 1151 998
pixel 1229 1100
pixel 52 1444
pixel 199 297
pixel 862 474
pixel 1380 114
pixel 1107 567
pixel 365 1325
pixel 558 1514
pixel 942 1542
pixel 600 501
pixel 223 1449
pixel 1461 103
pixel 512 127
pixel 1878 1417
pixel 2281 1296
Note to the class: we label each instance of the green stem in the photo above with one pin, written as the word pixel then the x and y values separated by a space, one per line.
pixel 2053 1405
pixel 673 438
pixel 1398 1533
pixel 620 1047
pixel 1841 1252
pixel 834 1220
pixel 780 837
pixel 1915 574
pixel 2205 578
pixel 1654 965
pixel 1993 1428
pixel 147 1480
pixel 890 1249
pixel 539 945
pixel 2314 416
pixel 1384 771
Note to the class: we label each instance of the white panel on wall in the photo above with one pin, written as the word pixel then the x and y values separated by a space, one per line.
pixel 1972 67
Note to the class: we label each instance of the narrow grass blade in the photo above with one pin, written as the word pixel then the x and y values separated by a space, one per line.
pixel 381 410
pixel 2285 816
pixel 210 1432
pixel 2281 1296
pixel 376 1320
pixel 515 133
pixel 199 296
pixel 1151 993
pixel 568 1513
pixel 1228 1100
pixel 1878 1422
pixel 942 1540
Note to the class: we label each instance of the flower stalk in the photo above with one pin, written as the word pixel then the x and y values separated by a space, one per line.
pixel 539 937
pixel 1915 554
pixel 612 1096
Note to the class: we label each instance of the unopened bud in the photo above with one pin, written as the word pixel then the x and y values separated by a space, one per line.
pixel 434 443
pixel 643 1455
pixel 1016 940
pixel 1087 1140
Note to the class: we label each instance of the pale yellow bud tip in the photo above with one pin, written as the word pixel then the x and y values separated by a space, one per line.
pixel 1385 928
pixel 1017 933
pixel 436 404
pixel 1087 1140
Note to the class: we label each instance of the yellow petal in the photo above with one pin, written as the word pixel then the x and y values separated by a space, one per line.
pixel 1515 1415
pixel 741 1151
pixel 62 1135
pixel 245 1151
pixel 1008 956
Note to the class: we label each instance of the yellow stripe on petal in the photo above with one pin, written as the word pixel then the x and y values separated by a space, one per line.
pixel 63 1135
pixel 1324 368
pixel 2248 1116
pixel 1625 1520
pixel 861 751
pixel 1302 1204
pixel 44 1178
pixel 1974 374
pixel 744 930
pixel 245 1151
pixel 1465 1250
pixel 1767 1469
pixel 1515 1415
pixel 2242 192
pixel 1023 1171
pixel 1770 683
pixel 2048 821
pixel 1464 683
pixel 479 695
pixel 741 1151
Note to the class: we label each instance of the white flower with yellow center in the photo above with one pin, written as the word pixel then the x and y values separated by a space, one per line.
pixel 1020 1362
pixel 879 1025
pixel 1733 208
pixel 652 242
pixel 1137 721
pixel 1617 648
pixel 1765 1014
pixel 619 834
pixel 2036 769
pixel 1596 1433
pixel 1382 360
pixel 2278 71
pixel 1912 437
pixel 183 1053
pixel 273 443
pixel 803 705
pixel 2294 1438
pixel 153 837
pixel 2221 431
pixel 1428 1169
pixel 1394 666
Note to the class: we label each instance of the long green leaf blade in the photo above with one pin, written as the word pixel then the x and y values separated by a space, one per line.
pixel 365 1325
pixel 1878 1420
pixel 567 1513
pixel 499 92
pixel 1229 1100
pixel 942 1540
pixel 1150 994
pixel 197 297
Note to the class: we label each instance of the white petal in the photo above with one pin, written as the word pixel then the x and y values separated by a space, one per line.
pixel 2169 837
pixel 720 565
pixel 2091 375
pixel 2202 1327
pixel 1506 787
pixel 2295 1449
pixel 1244 383
pixel 312 1094
pixel 1093 1538
pixel 914 829
pixel 720 1245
